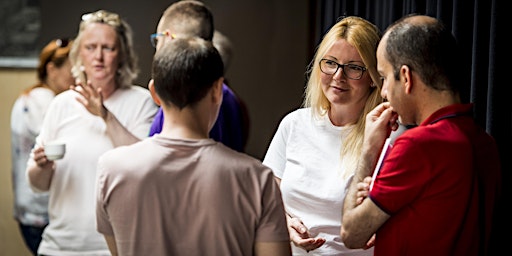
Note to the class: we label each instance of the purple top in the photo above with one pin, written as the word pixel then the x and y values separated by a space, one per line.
pixel 229 127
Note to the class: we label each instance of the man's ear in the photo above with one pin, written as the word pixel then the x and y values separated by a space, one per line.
pixel 154 95
pixel 217 90
pixel 406 76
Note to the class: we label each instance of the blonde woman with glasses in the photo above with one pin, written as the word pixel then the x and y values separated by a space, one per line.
pixel 103 110
pixel 315 149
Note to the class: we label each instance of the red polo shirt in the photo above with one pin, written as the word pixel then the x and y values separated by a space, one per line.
pixel 429 184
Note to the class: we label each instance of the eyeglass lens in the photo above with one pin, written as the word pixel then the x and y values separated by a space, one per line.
pixel 154 39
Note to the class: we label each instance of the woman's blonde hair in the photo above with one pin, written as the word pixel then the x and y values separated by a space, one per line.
pixel 365 37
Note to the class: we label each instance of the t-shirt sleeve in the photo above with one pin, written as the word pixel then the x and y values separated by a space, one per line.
pixel 275 158
pixel 102 219
pixel 272 226
pixel 145 117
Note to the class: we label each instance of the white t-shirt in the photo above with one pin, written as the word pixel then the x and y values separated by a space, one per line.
pixel 72 227
pixel 305 154
pixel 26 119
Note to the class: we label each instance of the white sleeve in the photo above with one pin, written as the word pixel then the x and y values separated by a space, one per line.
pixel 275 158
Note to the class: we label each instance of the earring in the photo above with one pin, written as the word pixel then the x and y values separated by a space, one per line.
pixel 372 85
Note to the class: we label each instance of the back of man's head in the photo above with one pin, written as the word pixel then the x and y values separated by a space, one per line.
pixel 224 46
pixel 188 18
pixel 185 69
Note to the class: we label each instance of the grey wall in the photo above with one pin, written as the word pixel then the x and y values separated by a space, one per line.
pixel 271 52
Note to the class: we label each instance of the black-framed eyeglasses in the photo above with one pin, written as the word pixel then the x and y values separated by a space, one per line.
pixel 154 37
pixel 351 71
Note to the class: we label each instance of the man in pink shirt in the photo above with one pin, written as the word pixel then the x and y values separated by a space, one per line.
pixel 180 192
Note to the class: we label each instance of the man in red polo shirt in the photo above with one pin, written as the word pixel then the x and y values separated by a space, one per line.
pixel 437 188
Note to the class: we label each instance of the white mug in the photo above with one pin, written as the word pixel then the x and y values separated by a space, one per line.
pixel 54 150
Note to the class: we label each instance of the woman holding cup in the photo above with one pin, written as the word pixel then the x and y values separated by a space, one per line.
pixel 100 112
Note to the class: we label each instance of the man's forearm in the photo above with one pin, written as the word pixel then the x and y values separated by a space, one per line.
pixel 356 228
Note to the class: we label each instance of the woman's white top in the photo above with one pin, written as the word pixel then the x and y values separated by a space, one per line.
pixel 72 227
pixel 305 154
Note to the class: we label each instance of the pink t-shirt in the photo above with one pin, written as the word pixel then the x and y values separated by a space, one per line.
pixel 429 184
pixel 165 196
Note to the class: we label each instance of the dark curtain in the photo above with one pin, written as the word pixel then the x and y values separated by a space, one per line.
pixel 480 28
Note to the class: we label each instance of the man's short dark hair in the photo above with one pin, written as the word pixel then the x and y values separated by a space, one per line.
pixel 428 48
pixel 184 69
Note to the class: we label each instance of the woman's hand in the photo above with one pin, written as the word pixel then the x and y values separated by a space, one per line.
pixel 92 99
pixel 39 169
pixel 300 236
pixel 40 158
